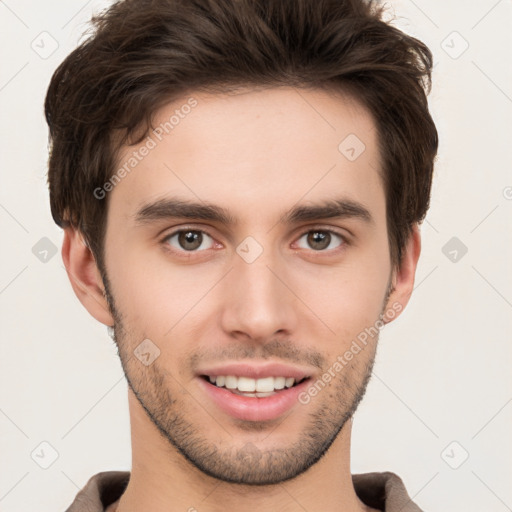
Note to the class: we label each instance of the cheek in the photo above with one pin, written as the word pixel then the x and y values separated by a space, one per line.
pixel 137 292
pixel 347 299
pixel 156 297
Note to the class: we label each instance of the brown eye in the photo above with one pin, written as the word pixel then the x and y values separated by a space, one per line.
pixel 319 240
pixel 188 240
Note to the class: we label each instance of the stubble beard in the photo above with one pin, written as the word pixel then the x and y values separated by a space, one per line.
pixel 242 464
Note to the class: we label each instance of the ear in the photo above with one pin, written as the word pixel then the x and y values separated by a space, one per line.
pixel 84 276
pixel 402 282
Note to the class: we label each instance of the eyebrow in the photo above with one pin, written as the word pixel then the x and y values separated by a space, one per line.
pixel 169 208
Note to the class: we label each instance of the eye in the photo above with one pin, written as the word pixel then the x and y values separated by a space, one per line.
pixel 189 240
pixel 321 239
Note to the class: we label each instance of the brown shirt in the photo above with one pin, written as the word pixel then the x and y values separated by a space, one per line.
pixel 383 491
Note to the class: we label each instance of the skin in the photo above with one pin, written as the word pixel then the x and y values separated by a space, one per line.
pixel 257 154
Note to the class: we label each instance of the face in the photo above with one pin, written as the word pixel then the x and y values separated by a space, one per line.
pixel 258 280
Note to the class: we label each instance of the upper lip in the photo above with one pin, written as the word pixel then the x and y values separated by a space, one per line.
pixel 256 371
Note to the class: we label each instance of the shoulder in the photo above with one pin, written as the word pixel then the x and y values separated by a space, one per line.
pixel 100 491
pixel 384 491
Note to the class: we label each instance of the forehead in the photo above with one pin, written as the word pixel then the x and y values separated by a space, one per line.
pixel 255 152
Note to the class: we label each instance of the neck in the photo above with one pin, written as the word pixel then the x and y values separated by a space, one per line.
pixel 162 480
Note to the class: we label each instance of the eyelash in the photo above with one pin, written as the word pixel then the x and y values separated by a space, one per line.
pixel 344 240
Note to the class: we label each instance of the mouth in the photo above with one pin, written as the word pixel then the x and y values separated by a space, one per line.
pixel 251 399
pixel 254 388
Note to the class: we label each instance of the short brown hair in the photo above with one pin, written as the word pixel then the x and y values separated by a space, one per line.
pixel 143 54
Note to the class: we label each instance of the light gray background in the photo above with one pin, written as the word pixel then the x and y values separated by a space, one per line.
pixel 442 387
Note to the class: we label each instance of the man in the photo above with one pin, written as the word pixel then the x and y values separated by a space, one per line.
pixel 240 184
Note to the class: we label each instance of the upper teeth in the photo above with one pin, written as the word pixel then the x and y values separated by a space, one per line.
pixel 266 384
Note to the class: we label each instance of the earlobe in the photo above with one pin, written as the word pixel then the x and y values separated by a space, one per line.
pixel 84 276
pixel 403 277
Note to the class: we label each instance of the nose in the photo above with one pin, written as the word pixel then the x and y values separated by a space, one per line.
pixel 258 299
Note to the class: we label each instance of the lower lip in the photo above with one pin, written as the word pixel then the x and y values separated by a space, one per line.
pixel 253 408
